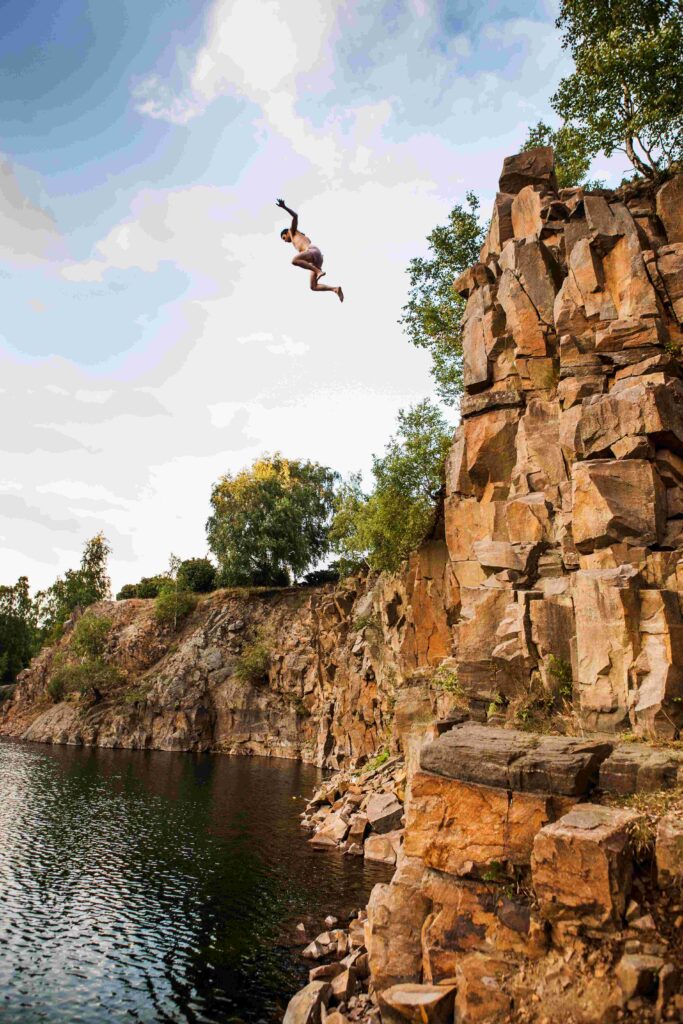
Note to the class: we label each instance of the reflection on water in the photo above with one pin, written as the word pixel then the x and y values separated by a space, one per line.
pixel 146 886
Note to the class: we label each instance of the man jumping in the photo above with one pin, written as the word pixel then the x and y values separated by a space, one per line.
pixel 309 256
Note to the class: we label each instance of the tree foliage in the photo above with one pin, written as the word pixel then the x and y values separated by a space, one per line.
pixel 626 92
pixel 197 575
pixel 78 588
pixel 383 527
pixel 572 154
pixel 19 632
pixel 270 522
pixel 175 601
pixel 432 317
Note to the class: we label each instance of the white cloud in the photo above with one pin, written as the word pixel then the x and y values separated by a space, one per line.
pixel 28 232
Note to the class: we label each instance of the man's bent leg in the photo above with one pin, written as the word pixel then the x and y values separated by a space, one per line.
pixel 299 261
pixel 315 287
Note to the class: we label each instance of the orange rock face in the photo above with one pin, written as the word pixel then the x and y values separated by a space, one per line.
pixel 463 829
pixel 582 865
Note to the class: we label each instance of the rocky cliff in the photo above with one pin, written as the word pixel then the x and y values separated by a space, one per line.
pixel 327 694
pixel 521 661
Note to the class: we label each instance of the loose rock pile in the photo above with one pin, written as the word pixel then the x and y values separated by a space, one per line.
pixel 360 813
pixel 337 990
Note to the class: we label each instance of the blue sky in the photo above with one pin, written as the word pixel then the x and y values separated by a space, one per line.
pixel 153 334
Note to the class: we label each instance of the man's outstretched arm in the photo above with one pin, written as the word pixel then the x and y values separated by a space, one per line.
pixel 295 216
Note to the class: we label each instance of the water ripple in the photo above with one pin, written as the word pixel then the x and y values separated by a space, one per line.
pixel 148 887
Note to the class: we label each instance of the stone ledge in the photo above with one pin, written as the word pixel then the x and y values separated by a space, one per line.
pixel 638 768
pixel 509 759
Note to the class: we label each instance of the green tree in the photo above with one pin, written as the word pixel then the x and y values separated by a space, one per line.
pixel 78 588
pixel 383 527
pixel 19 633
pixel 270 522
pixel 198 575
pixel 432 317
pixel 174 601
pixel 626 92
pixel 572 154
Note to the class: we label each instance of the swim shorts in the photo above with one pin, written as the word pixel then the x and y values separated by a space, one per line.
pixel 313 255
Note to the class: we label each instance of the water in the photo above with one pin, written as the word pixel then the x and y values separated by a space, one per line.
pixel 146 886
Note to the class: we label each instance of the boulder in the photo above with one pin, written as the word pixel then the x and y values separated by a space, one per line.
pixel 471 917
pixel 500 228
pixel 582 866
pixel 490 447
pixel 396 914
pixel 332 832
pixel 343 985
pixel 305 1007
pixel 383 849
pixel 670 268
pixel 481 998
pixel 384 812
pixel 522 318
pixel 520 761
pixel 419 1004
pixel 658 669
pixel 669 849
pixel 626 278
pixel 639 768
pixel 615 500
pixel 463 828
pixel 538 272
pixel 527 207
pixel 670 208
pixel 607 613
pixel 532 167
pixel 638 975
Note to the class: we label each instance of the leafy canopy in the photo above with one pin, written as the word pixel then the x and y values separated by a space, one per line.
pixel 382 528
pixel 19 632
pixel 626 92
pixel 432 317
pixel 78 588
pixel 270 522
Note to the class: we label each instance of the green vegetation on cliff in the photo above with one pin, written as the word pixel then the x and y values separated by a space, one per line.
pixel 383 527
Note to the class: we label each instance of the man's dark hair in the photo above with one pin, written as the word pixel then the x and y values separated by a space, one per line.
pixel 284 232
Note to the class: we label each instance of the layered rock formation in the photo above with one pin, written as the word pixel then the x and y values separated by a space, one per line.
pixel 563 516
pixel 327 696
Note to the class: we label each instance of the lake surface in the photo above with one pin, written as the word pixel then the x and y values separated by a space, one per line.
pixel 146 886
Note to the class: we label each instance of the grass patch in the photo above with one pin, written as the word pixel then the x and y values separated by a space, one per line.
pixel 376 762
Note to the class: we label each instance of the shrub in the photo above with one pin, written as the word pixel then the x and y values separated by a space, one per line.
pixel 197 575
pixel 90 676
pixel 172 605
pixel 253 661
pixel 89 638
pixel 376 762
pixel 151 586
pixel 561 672
pixel 321 576
pixel 127 591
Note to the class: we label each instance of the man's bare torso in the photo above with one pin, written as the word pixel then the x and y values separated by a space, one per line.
pixel 300 241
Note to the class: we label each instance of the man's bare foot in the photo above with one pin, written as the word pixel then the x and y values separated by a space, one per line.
pixel 321 273
pixel 340 294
